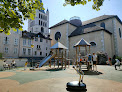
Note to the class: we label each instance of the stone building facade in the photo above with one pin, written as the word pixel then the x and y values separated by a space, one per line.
pixel 103 33
pixel 18 44
pixel 9 44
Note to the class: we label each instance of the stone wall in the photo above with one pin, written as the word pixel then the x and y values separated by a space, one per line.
pixel 19 62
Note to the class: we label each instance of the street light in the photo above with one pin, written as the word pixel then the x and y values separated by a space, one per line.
pixel 32 46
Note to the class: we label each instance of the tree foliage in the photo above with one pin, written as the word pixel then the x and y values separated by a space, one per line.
pixel 96 3
pixel 14 12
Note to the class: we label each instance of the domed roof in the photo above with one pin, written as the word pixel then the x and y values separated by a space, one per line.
pixel 76 21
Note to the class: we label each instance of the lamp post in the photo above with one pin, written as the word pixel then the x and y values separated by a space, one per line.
pixel 32 46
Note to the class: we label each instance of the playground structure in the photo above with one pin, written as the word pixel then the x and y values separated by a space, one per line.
pixel 58 52
pixel 83 59
pixel 77 86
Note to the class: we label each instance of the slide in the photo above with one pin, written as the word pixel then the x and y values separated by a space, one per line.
pixel 46 59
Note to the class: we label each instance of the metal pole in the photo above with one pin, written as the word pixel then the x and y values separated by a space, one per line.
pixel 76 55
pixel 32 57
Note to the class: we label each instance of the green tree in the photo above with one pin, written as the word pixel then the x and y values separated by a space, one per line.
pixel 96 3
pixel 14 12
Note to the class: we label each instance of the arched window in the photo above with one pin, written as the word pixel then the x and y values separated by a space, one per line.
pixel 120 35
pixel 57 36
pixel 42 30
pixel 93 43
pixel 39 22
pixel 102 25
pixel 39 15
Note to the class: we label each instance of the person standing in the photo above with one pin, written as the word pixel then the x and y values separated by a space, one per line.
pixel 94 61
pixel 90 63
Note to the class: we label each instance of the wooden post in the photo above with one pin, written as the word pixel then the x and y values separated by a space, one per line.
pixel 89 49
pixel 86 49
pixel 54 61
pixel 50 63
pixel 76 55
pixel 62 59
pixel 58 57
pixel 65 58
pixel 79 49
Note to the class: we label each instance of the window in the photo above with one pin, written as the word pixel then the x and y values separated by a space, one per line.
pixel 36 39
pixel 6 50
pixel 46 54
pixel 42 30
pixel 102 25
pixel 46 18
pixel 15 50
pixel 38 46
pixel 93 43
pixel 6 40
pixel 15 41
pixel 40 53
pixel 29 42
pixel 39 22
pixel 41 40
pixel 57 36
pixel 46 48
pixel 24 42
pixel 29 51
pixel 45 24
pixel 24 51
pixel 35 52
pixel 120 34
pixel 39 15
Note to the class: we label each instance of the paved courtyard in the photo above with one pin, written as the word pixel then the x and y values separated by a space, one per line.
pixel 107 79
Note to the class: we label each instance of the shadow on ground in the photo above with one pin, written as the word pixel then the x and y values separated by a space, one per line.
pixel 120 70
pixel 92 72
pixel 55 69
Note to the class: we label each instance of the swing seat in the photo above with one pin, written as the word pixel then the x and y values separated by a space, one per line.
pixel 76 86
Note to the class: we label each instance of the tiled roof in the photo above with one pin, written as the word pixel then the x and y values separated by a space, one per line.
pixel 82 42
pixel 30 35
pixel 58 45
pixel 87 29
pixel 74 22
pixel 100 18
pixel 60 23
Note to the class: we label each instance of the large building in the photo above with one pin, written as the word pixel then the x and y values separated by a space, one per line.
pixel 103 33
pixel 19 43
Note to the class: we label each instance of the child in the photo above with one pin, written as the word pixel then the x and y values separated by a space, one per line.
pixel 26 63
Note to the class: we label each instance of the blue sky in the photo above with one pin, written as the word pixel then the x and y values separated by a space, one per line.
pixel 58 12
